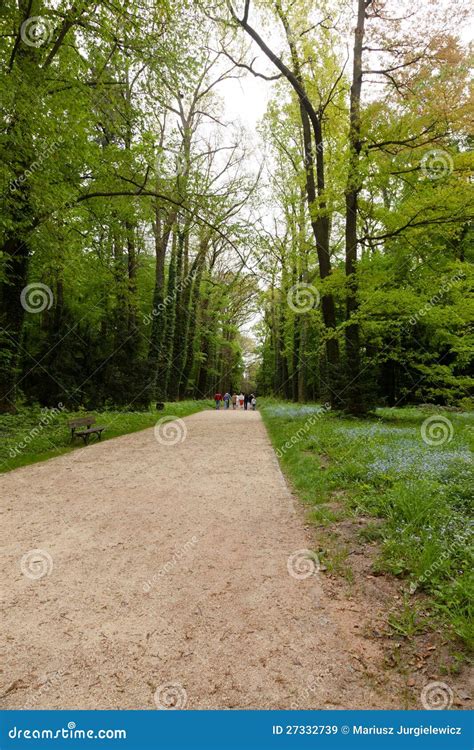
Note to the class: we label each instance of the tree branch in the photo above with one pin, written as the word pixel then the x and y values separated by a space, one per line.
pixel 251 69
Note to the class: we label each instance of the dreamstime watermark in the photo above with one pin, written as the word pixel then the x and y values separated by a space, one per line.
pixel 302 297
pixel 45 685
pixel 169 299
pixel 36 564
pixel 436 164
pixel 460 542
pixel 170 431
pixel 303 431
pixel 48 416
pixel 36 31
pixel 437 696
pixel 445 287
pixel 170 564
pixel 64 733
pixel 310 158
pixel 311 689
pixel 36 297
pixel 170 696
pixel 437 430
pixel 36 165
pixel 303 564
pixel 176 162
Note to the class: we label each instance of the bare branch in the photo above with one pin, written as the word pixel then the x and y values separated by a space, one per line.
pixel 251 69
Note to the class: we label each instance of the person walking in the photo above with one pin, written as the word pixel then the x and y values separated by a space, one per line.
pixel 253 401
pixel 227 398
pixel 234 400
pixel 246 401
pixel 218 399
pixel 241 400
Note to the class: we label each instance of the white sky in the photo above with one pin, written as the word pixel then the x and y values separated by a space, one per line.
pixel 246 99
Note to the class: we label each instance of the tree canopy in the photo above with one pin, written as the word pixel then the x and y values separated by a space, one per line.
pixel 143 231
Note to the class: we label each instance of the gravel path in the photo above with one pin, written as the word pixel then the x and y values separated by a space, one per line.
pixel 162 579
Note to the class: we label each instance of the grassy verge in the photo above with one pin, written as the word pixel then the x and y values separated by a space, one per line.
pixel 35 434
pixel 411 469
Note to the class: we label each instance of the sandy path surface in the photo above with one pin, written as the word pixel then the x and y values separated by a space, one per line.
pixel 164 580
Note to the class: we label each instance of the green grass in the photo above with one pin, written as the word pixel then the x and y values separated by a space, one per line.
pixel 35 434
pixel 382 467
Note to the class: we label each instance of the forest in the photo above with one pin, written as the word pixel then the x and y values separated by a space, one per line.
pixel 156 247
pixel 205 198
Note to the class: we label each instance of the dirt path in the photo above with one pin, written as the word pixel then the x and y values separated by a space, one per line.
pixel 164 581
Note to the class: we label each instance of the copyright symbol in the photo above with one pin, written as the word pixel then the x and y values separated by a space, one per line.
pixel 345 730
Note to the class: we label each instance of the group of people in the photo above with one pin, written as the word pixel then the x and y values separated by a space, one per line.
pixel 241 401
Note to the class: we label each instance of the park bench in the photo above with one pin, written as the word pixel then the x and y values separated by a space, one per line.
pixel 90 428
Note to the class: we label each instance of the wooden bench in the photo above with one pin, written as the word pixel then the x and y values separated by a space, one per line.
pixel 90 428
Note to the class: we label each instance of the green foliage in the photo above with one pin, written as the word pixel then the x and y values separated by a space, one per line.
pixel 94 167
pixel 406 310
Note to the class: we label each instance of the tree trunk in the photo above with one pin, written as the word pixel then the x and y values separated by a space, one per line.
pixel 353 397
pixel 178 304
pixel 315 192
pixel 162 231
pixel 192 313
pixel 166 350
pixel 132 265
